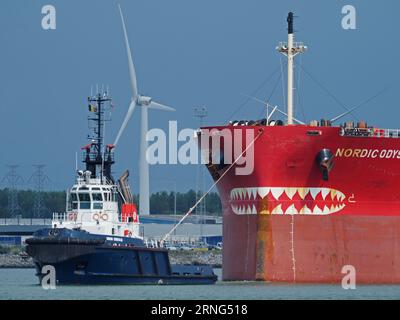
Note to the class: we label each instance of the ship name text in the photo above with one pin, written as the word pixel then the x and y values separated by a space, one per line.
pixel 368 153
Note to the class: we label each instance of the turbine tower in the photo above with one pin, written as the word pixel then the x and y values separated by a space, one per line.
pixel 145 103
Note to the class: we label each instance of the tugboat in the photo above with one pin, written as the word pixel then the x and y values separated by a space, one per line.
pixel 97 240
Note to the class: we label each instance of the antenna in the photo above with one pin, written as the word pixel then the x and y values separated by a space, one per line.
pixel 97 160
pixel 290 49
pixel 13 180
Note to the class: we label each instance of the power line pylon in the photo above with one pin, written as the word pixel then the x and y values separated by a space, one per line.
pixel 39 179
pixel 13 180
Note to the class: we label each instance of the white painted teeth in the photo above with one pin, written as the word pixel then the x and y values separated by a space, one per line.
pixel 290 192
pixel 317 210
pixel 263 191
pixel 325 192
pixel 303 192
pixel 340 196
pixel 291 210
pixel 281 194
pixel 314 192
pixel 253 193
pixel 277 210
pixel 241 210
pixel 305 210
pixel 277 192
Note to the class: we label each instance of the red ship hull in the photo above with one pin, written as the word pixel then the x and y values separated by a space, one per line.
pixel 286 222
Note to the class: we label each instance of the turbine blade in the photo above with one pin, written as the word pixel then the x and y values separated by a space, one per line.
pixel 132 72
pixel 159 106
pixel 126 120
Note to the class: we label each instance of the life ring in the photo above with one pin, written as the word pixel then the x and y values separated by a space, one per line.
pixel 96 217
pixel 104 216
pixel 134 216
pixel 72 216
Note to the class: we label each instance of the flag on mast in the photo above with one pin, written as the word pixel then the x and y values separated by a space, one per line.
pixel 92 108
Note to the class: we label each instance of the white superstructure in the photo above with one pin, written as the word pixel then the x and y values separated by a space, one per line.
pixel 93 206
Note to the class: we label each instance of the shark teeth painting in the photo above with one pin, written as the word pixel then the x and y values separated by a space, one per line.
pixel 286 200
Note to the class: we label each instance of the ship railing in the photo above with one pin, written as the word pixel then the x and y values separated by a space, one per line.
pixel 83 181
pixel 298 47
pixel 57 216
pixel 94 181
pixel 94 157
pixel 391 133
pixel 370 132
pixel 295 44
pixel 63 216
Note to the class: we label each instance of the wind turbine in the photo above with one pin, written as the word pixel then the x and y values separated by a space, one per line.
pixel 145 103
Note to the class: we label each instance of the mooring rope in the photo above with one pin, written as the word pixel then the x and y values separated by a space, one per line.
pixel 292 249
pixel 260 132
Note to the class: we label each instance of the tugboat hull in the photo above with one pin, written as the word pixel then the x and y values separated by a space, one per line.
pixel 89 262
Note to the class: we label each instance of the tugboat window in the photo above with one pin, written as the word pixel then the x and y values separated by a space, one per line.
pixel 97 205
pixel 84 199
pixel 97 197
pixel 73 201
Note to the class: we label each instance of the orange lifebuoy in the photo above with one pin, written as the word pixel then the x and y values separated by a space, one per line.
pixel 96 217
pixel 127 233
pixel 104 216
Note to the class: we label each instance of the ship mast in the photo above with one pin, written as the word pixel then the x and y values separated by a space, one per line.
pixel 98 158
pixel 290 49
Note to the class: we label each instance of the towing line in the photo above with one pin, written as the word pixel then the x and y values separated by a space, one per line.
pixel 260 132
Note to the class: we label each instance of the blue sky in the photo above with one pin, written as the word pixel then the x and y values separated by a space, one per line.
pixel 187 53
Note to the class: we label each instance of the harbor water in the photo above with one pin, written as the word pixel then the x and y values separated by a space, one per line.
pixel 22 284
